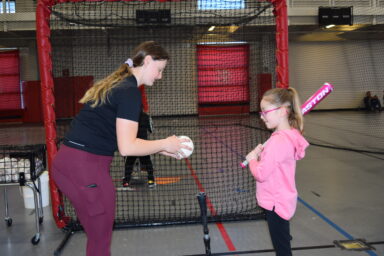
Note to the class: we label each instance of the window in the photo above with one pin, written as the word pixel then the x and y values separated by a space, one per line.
pixel 9 7
pixel 220 4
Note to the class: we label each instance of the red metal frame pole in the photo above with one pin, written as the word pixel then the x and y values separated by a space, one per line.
pixel 43 12
pixel 281 14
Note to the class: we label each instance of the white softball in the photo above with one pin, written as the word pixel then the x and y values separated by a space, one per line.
pixel 189 143
pixel 8 171
pixel 20 163
pixel 15 177
pixel 8 178
pixel 14 162
pixel 22 169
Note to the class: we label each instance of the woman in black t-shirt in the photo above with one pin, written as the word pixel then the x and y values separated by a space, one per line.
pixel 108 122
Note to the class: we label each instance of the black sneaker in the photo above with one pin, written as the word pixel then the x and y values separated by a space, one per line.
pixel 127 186
pixel 151 183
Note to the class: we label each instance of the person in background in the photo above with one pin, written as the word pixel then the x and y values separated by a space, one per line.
pixel 145 126
pixel 375 103
pixel 367 101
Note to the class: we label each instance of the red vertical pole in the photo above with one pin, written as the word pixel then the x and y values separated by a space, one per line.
pixel 43 12
pixel 282 71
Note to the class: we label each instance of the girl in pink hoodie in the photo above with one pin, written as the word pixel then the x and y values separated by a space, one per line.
pixel 273 164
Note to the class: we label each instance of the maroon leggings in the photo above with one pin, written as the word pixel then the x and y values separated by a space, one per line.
pixel 84 178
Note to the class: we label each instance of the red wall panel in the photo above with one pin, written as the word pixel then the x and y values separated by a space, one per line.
pixel 80 84
pixel 33 112
pixel 10 97
pixel 264 83
pixel 223 78
pixel 64 99
pixel 68 92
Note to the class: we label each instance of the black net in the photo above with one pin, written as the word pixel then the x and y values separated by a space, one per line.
pixel 216 58
pixel 21 163
pixel 351 58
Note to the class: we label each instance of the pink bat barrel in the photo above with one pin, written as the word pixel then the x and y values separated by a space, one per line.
pixel 318 96
pixel 315 99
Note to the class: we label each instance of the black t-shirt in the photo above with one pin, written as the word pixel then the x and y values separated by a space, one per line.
pixel 94 129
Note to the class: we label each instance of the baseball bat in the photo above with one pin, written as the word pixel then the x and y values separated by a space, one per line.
pixel 315 99
pixel 202 198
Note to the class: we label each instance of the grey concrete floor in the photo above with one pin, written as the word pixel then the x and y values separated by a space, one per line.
pixel 341 198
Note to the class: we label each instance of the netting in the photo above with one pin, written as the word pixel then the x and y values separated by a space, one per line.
pixel 217 55
pixel 351 58
pixel 21 163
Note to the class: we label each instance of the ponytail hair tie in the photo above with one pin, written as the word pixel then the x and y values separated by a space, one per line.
pixel 129 62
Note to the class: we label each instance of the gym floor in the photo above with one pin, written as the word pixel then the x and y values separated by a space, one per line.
pixel 340 198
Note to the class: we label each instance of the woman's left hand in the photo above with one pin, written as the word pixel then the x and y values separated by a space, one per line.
pixel 165 153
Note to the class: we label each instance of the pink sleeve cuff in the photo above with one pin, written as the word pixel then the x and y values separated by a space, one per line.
pixel 253 167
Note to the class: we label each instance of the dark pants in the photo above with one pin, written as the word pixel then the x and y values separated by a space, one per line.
pixel 279 231
pixel 84 178
pixel 145 161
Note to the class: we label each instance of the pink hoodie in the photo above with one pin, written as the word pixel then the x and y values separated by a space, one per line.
pixel 275 172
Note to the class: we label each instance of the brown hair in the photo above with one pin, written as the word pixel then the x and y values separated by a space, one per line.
pixel 289 98
pixel 98 93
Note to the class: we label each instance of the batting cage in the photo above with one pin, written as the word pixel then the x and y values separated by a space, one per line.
pixel 217 56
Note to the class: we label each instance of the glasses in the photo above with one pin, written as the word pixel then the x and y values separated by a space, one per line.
pixel 264 113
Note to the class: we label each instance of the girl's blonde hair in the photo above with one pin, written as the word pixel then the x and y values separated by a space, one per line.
pixel 98 93
pixel 289 98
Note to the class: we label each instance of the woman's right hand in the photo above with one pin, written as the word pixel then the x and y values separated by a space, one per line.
pixel 173 146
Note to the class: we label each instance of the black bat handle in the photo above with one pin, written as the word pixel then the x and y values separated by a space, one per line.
pixel 202 198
